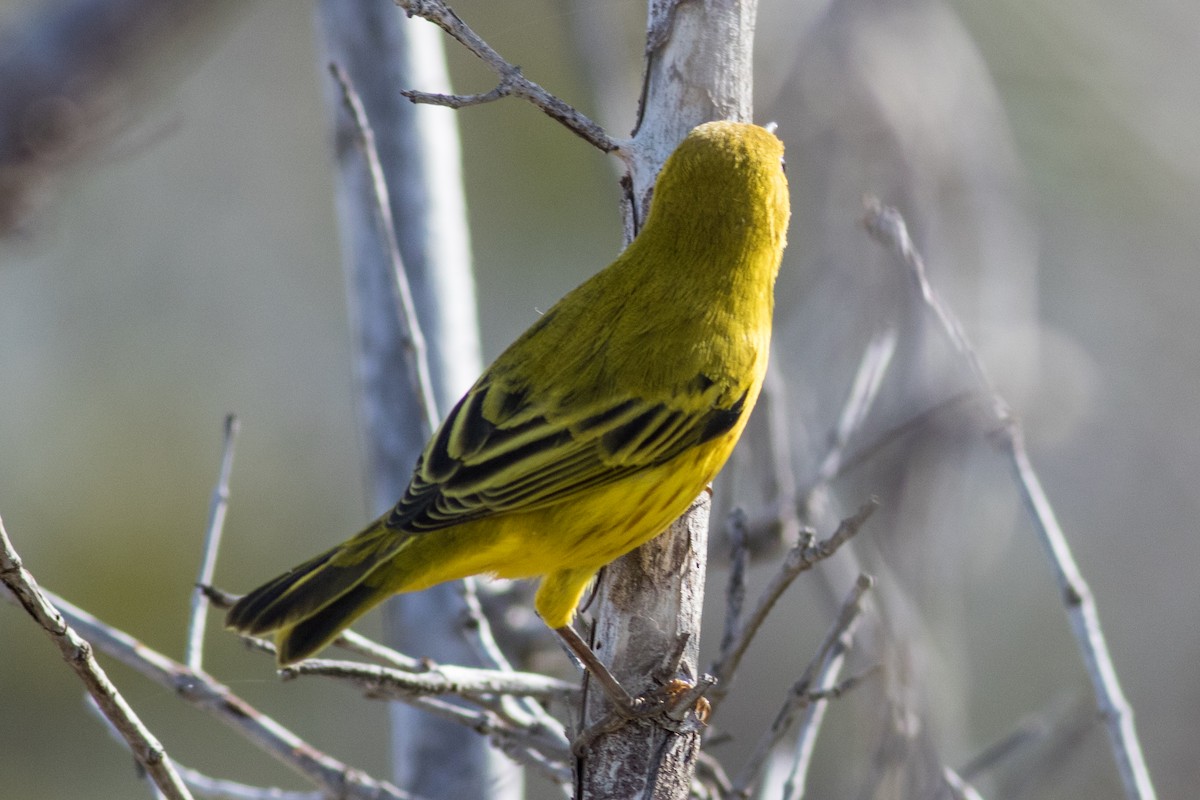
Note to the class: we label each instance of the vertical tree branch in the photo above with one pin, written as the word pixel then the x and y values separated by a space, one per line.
pixel 698 68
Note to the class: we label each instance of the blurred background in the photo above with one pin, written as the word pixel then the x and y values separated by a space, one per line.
pixel 181 261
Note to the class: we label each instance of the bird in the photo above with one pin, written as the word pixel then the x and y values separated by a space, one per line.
pixel 595 429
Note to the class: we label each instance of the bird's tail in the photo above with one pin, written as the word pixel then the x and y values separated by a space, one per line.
pixel 308 606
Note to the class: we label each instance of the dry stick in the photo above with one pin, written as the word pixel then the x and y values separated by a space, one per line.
pixel 512 82
pixel 828 687
pixel 888 228
pixel 805 693
pixel 782 477
pixel 202 691
pixel 800 558
pixel 218 506
pixel 77 652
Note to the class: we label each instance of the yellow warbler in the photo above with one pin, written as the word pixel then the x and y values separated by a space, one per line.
pixel 596 428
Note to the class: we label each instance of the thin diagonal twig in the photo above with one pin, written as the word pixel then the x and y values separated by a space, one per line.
pixel 800 558
pixel 414 340
pixel 77 652
pixel 218 506
pixel 887 227
pixel 863 392
pixel 819 676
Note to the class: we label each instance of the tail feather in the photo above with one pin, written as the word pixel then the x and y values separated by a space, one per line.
pixel 324 594
pixel 312 633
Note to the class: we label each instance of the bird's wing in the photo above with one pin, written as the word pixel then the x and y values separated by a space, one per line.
pixel 497 452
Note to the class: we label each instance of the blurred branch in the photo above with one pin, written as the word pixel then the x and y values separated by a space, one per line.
pixel 222 789
pixel 70 77
pixel 215 788
pixel 863 392
pixel 1038 746
pixel 810 693
pixel 887 227
pixel 218 506
pixel 512 82
pixel 802 557
pixel 959 788
pixel 77 652
pixel 777 522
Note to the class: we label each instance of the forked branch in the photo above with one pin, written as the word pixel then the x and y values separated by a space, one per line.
pixel 512 82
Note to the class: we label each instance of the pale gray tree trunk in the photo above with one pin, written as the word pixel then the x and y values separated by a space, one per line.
pixel 698 68
pixel 382 52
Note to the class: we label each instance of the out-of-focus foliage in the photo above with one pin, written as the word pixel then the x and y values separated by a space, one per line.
pixel 1043 154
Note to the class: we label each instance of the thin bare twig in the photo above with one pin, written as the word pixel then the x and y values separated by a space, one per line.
pixel 465 682
pixel 906 427
pixel 888 228
pixel 522 711
pixel 512 82
pixel 537 741
pixel 414 341
pixel 218 506
pixel 807 694
pixel 413 680
pixel 781 478
pixel 800 558
pixel 77 652
pixel 828 687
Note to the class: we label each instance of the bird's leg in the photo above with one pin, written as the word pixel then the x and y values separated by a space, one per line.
pixel 626 704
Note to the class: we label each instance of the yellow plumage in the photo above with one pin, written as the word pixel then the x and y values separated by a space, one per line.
pixel 597 427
